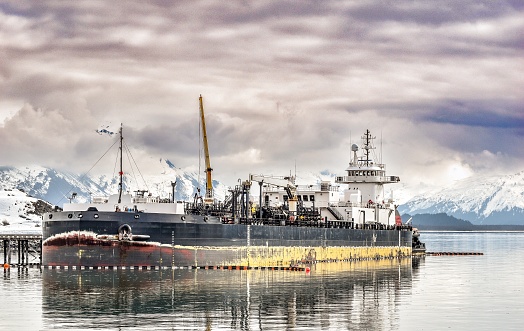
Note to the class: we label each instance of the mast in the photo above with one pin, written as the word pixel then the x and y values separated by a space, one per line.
pixel 208 199
pixel 367 147
pixel 121 172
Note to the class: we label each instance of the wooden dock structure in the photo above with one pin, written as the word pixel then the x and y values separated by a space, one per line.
pixel 453 253
pixel 24 245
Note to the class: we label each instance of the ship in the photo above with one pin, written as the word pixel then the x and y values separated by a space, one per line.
pixel 290 225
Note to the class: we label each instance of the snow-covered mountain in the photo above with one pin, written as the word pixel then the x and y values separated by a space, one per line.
pixel 480 200
pixel 57 187
pixel 20 213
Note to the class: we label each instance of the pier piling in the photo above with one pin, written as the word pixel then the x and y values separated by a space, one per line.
pixel 24 246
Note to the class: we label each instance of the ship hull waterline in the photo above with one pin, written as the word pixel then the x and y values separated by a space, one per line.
pixel 160 240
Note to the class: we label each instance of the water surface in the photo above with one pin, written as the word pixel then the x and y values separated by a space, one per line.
pixel 432 293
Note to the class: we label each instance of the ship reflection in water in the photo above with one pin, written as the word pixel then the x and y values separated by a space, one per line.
pixel 349 295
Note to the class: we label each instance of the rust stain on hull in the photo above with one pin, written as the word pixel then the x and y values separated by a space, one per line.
pixel 123 254
pixel 263 256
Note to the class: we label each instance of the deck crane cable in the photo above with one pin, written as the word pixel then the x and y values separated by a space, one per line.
pixel 132 169
pixel 129 165
pixel 130 156
pixel 116 163
pixel 85 174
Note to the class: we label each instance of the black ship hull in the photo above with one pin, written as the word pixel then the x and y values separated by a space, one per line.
pixel 119 239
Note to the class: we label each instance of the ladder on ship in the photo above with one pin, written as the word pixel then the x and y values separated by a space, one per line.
pixel 335 213
pixel 228 201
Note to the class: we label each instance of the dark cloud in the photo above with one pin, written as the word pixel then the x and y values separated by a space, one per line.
pixel 428 13
pixel 478 113
pixel 179 139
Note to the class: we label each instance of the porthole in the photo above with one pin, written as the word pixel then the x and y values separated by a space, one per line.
pixel 183 218
pixel 50 216
pixel 95 216
pixel 137 216
pixel 69 215
pixel 80 215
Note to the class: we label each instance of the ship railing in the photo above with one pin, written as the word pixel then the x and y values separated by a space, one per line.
pixel 301 222
pixel 146 200
pixel 362 204
pixel 367 178
pixel 99 199
pixel 308 188
pixel 317 188
pixel 318 223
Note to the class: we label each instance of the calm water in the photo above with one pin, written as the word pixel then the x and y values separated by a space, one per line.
pixel 434 293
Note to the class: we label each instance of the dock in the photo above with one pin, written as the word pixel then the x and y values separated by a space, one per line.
pixel 25 246
pixel 453 253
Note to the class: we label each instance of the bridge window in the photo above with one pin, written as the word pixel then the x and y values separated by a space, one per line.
pixel 311 198
pixel 305 198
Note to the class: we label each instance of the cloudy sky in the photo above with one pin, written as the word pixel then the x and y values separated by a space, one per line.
pixel 285 84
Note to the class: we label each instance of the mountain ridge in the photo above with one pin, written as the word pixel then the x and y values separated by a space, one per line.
pixel 490 200
pixel 57 187
pixel 487 200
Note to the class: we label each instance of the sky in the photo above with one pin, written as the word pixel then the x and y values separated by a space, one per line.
pixel 287 85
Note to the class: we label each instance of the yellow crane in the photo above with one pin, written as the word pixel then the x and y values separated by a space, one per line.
pixel 208 199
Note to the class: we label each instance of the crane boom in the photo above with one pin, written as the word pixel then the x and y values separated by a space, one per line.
pixel 208 199
pixel 285 182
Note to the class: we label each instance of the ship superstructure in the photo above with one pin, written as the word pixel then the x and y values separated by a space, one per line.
pixel 364 202
pixel 356 200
